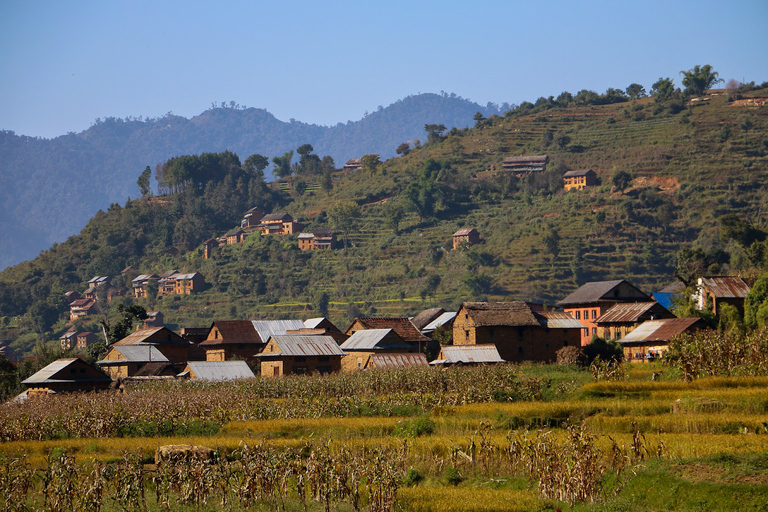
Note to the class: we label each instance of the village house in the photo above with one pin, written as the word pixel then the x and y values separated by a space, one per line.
pixel 524 165
pixel 141 285
pixel 367 342
pixel 401 325
pixel 175 283
pixel 68 340
pixel 171 345
pixel 443 322
pixel 243 339
pixel 353 164
pixel 252 218
pixel 465 237
pixel 319 239
pixel 81 308
pixel 217 371
pixel 592 300
pixel 520 331
pixel 622 318
pixel 471 355
pixel 122 361
pixel 425 317
pixel 65 376
pixel 72 296
pixel 208 247
pixel 85 339
pixel 279 224
pixel 236 236
pixel 650 340
pixel 166 284
pixel 714 291
pixel 579 179
pixel 300 355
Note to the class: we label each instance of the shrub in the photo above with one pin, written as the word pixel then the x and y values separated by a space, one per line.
pixel 453 476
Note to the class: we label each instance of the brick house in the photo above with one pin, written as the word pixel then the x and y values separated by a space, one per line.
pixel 171 345
pixel 317 240
pixel 714 291
pixel 252 218
pixel 243 339
pixel 140 284
pixel 579 179
pixel 520 331
pixel 64 376
pixel 592 300
pixel 622 318
pixel 208 247
pixel 300 355
pixel 366 342
pixel 235 236
pixel 279 224
pixel 81 308
pixel 465 236
pixel 186 284
pixel 650 340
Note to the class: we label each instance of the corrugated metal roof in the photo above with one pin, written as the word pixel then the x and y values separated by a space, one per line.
pixel 470 354
pixel 440 321
pixel 628 312
pixel 181 277
pixel 596 291
pixel 582 172
pixel 369 339
pixel 142 336
pixel 725 287
pixel 661 330
pixel 47 374
pixel 399 360
pixel 464 232
pixel 269 328
pixel 558 320
pixel 312 323
pixel 218 371
pixel 401 325
pixel 293 345
pixel 136 354
pixel 425 317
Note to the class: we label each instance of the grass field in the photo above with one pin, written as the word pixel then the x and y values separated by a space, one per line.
pixel 631 445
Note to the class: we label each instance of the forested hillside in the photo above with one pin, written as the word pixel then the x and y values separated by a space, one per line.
pixel 52 187
pixel 682 190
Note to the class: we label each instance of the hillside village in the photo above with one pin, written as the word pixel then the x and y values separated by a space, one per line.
pixel 479 333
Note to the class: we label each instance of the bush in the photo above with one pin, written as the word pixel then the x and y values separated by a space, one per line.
pixel 414 428
pixel 412 477
pixel 453 476
pixel 571 356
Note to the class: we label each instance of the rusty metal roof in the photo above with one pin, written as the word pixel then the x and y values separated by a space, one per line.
pixel 662 330
pixel 293 345
pixel 628 312
pixel 558 320
pixel 464 232
pixel 725 287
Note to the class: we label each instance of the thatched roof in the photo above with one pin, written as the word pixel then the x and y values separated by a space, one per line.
pixel 515 314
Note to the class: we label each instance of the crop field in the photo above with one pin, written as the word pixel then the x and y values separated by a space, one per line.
pixel 530 437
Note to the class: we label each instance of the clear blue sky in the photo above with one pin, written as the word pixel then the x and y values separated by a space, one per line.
pixel 63 64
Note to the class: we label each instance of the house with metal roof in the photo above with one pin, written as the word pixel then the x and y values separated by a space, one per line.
pixel 141 284
pixel 650 340
pixel 300 355
pixel 318 239
pixel 66 376
pixel 363 344
pixel 579 179
pixel 621 318
pixel 425 317
pixel 217 371
pixel 381 361
pixel 524 165
pixel 593 299
pixel 465 237
pixel 444 321
pixel 401 325
pixel 521 331
pixel 126 360
pixel 243 339
pixel 468 355
pixel 171 345
pixel 714 291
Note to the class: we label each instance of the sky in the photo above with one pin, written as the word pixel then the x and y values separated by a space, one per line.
pixel 64 64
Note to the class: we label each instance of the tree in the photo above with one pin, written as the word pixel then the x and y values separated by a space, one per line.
pixel 371 163
pixel 344 217
pixel 621 180
pixel 144 183
pixel 586 97
pixel 479 118
pixel 552 243
pixel 434 132
pixel 562 141
pixel 699 79
pixel 636 91
pixel 283 165
pixel 125 324
pixel 255 164
pixel 564 99
pixel 394 212
pixel 321 304
pixel 424 193
pixel 663 90
pixel 305 149
pixel 403 149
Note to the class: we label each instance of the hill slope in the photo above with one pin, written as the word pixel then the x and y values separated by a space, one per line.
pixel 685 172
pixel 52 187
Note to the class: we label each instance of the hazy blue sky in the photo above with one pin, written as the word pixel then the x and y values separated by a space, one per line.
pixel 63 64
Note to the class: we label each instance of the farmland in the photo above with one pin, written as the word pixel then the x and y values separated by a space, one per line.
pixel 528 437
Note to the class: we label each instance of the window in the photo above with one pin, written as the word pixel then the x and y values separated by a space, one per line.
pixel 586 314
pixel 594 314
pixel 594 331
pixel 578 315
pixel 586 332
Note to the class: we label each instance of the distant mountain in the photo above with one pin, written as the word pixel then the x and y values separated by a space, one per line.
pixel 51 187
